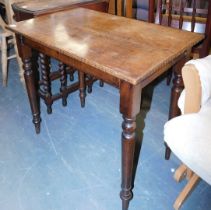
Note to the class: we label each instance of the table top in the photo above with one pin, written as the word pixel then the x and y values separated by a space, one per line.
pixel 127 49
pixel 41 6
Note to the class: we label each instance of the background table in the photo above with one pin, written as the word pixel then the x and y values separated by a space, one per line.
pixel 125 53
pixel 32 8
pixel 8 8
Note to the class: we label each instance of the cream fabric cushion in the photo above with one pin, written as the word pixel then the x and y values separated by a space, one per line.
pixel 203 65
pixel 189 137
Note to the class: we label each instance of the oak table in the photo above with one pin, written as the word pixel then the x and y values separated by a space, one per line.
pixel 126 53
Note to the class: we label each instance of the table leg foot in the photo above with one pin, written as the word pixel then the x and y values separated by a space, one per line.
pixel 126 196
pixel 89 89
pixel 36 121
pixel 101 83
pixel 125 204
pixel 167 152
pixel 82 102
pixel 49 109
pixel 64 102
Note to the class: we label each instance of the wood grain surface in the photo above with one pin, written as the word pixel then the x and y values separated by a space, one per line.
pixel 127 49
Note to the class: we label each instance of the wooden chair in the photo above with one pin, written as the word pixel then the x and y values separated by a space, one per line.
pixel 6 39
pixel 186 15
pixel 189 135
pixel 6 34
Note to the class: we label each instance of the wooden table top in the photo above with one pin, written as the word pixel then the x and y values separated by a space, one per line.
pixel 41 6
pixel 127 49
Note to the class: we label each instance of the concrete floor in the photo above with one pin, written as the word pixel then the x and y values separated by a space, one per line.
pixel 74 163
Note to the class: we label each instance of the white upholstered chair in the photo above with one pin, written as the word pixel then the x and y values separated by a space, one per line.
pixel 189 135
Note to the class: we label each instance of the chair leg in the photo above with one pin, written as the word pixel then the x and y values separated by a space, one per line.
pixel 169 77
pixel 189 174
pixel 181 173
pixel 167 152
pixel 4 60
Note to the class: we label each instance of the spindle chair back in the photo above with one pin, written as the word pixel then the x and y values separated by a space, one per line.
pixel 180 14
pixel 187 15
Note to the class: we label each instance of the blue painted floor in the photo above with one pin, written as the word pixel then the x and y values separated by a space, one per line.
pixel 74 163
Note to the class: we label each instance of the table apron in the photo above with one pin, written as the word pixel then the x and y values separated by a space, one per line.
pixel 68 60
pixel 94 71
pixel 163 69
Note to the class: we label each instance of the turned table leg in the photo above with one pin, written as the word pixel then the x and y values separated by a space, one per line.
pixel 32 92
pixel 25 53
pixel 130 98
pixel 177 88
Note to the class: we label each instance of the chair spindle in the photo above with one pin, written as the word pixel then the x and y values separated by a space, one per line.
pixel 181 14
pixel 193 21
pixel 169 7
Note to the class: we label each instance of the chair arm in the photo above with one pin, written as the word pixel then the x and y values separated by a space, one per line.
pixel 193 90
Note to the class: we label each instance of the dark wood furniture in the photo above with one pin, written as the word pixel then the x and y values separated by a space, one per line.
pixel 179 14
pixel 33 8
pixel 127 57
